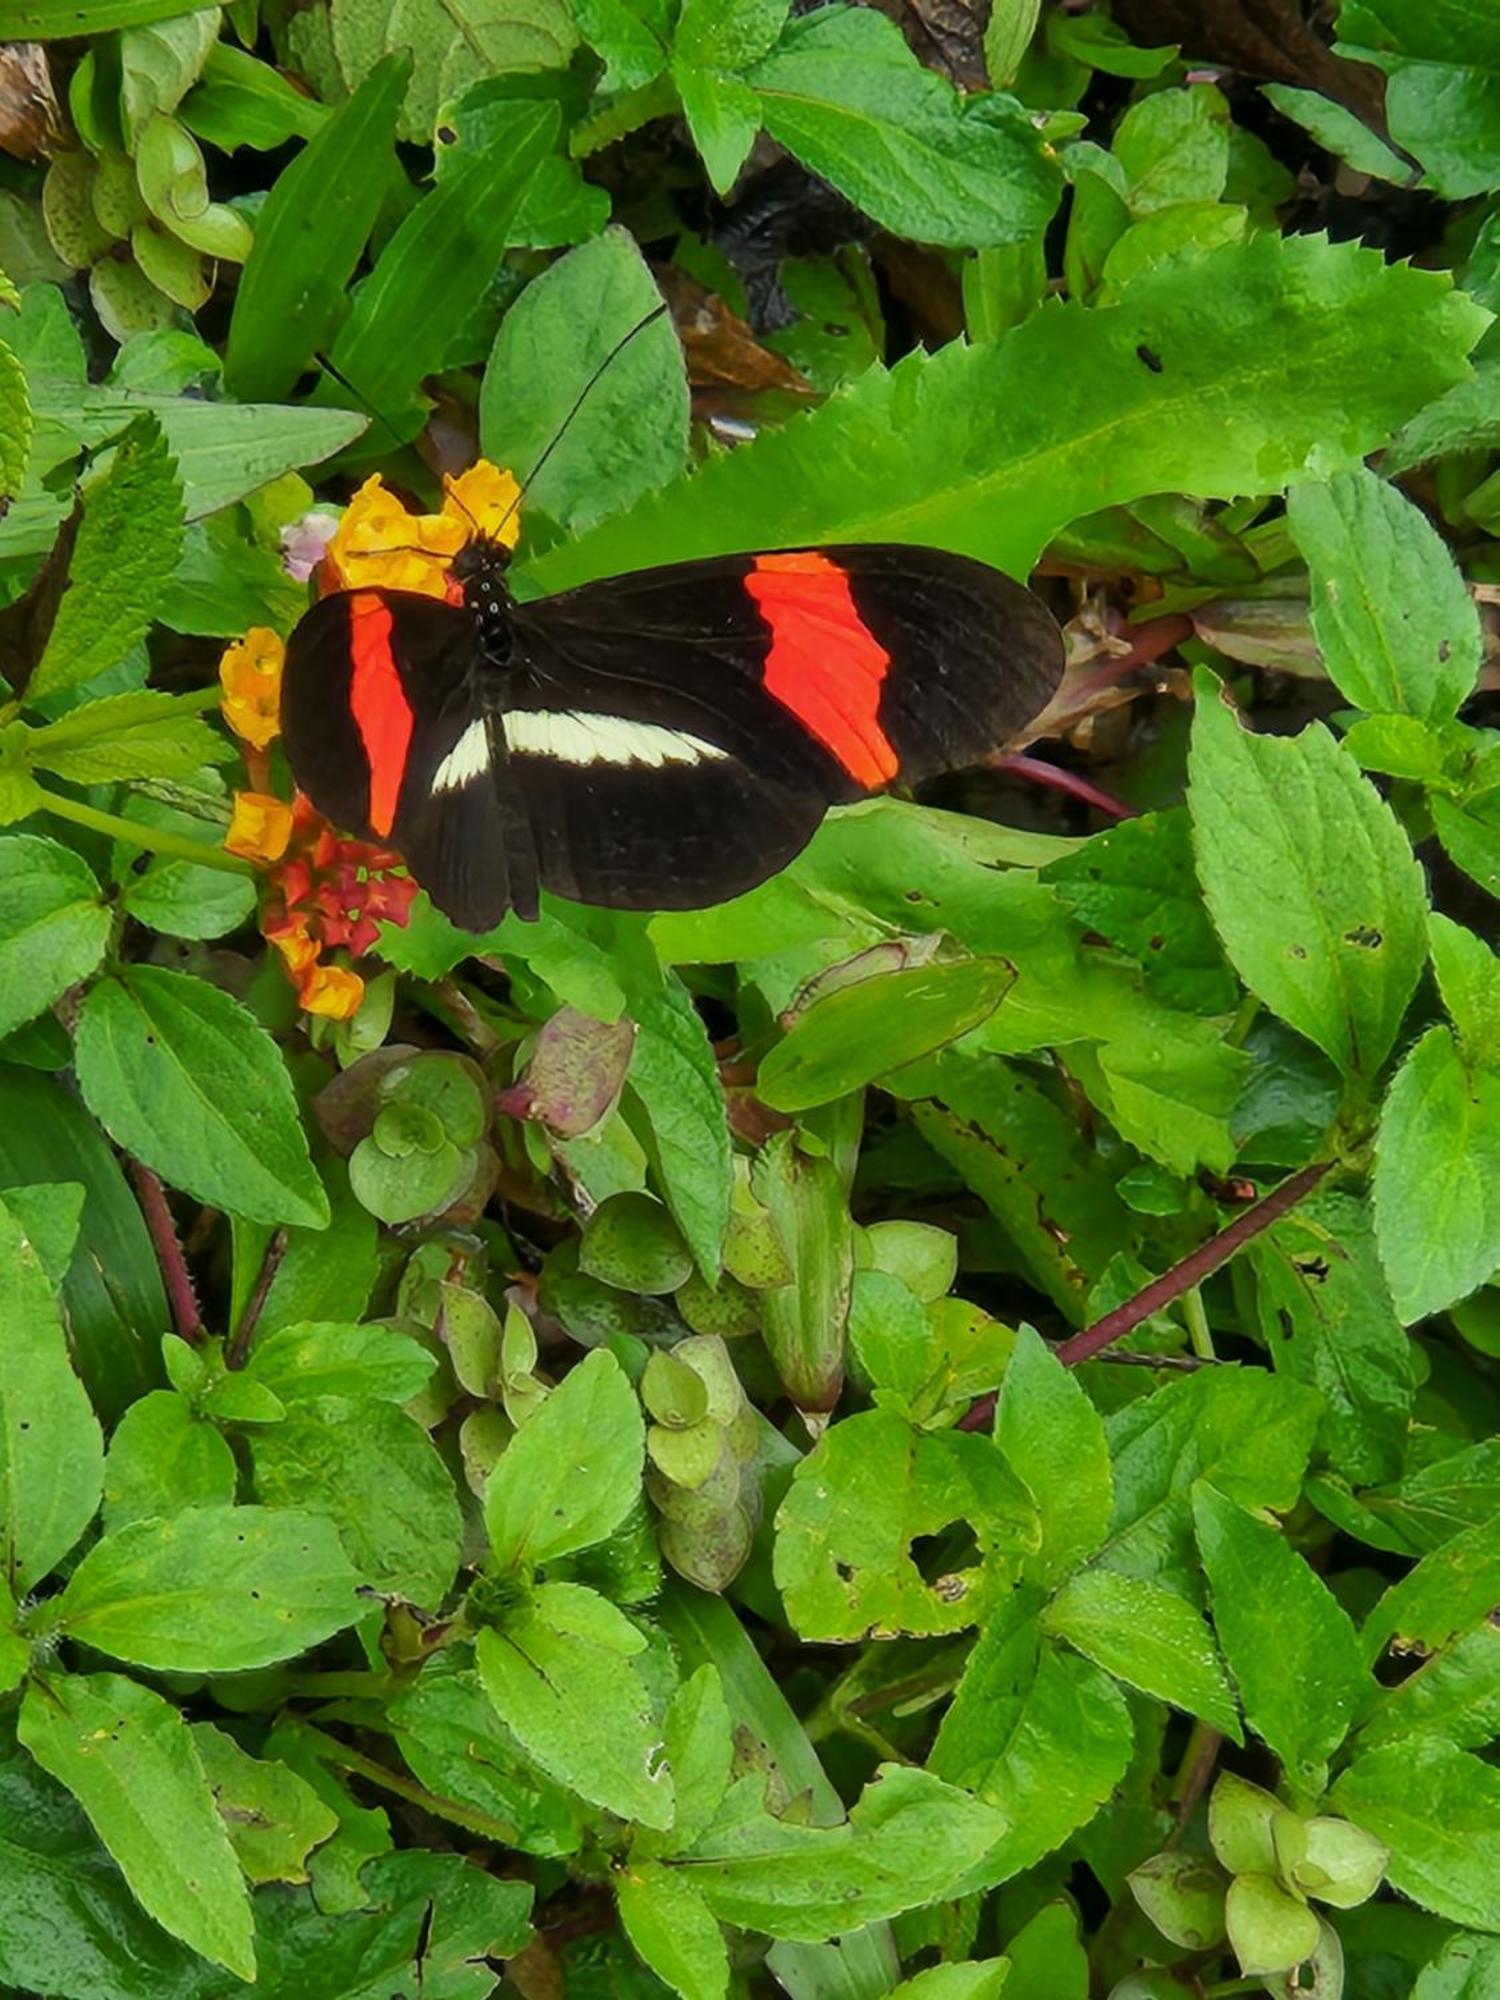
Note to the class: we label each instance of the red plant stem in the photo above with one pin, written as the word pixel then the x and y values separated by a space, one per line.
pixel 178 1279
pixel 1038 772
pixel 1193 1269
pixel 1157 636
pixel 238 1350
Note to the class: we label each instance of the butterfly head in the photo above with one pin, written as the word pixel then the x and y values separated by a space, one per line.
pixel 479 568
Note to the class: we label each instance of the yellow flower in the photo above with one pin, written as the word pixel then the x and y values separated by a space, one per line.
pixel 484 499
pixel 380 544
pixel 331 990
pixel 250 675
pixel 259 828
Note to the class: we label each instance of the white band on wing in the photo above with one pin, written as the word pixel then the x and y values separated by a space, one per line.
pixel 468 759
pixel 575 738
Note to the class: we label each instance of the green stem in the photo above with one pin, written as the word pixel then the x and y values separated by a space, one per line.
pixel 482 1824
pixel 153 839
pixel 1199 1333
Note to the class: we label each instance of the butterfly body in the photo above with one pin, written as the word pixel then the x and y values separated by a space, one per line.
pixel 660 740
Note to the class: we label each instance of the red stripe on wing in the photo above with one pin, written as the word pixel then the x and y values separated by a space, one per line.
pixel 382 714
pixel 825 665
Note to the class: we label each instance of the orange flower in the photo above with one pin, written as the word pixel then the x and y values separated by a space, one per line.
pixel 332 990
pixel 250 675
pixel 326 894
pixel 260 828
pixel 381 543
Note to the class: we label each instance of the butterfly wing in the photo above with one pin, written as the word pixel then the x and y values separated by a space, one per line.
pixel 677 735
pixel 389 732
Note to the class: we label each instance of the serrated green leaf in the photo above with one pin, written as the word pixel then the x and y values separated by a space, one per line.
pixel 1053 1439
pixel 51 1450
pixel 212 1590
pixel 1397 629
pixel 127 543
pixel 127 1756
pixel 845 95
pixel 163 1457
pixel 1310 881
pixel 1438 1811
pixel 1290 1644
pixel 184 1077
pixel 143 734
pixel 1312 354
pixel 673 1929
pixel 568 1478
pixel 53 925
pixel 273 1817
pixel 581 1712
pixel 1148 1637
pixel 674 1079
pixel 1437 1198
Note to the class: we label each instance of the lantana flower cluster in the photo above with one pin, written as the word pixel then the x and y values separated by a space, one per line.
pixel 328 895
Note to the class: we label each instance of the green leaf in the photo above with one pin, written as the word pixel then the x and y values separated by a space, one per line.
pixel 435 269
pixel 1291 1645
pixel 723 116
pixel 909 1838
pixel 1022 1153
pixel 1038 1733
pixel 213 1590
pixel 142 734
pixel 51 1450
pixel 453 43
pixel 1314 352
pixel 308 239
pixel 631 1242
pixel 805 1319
pixel 1174 147
pixel 453 1740
pixel 1053 1439
pixel 1148 1637
pixel 112 1293
pixel 47 20
pixel 1246 1431
pixel 700 1752
pixel 1134 884
pixel 672 1928
pixel 569 1477
pixel 630 435
pixel 1448 1593
pixel 223 451
pixel 1436 1192
pixel 581 1712
pixel 306 1360
pixel 1468 977
pixel 845 95
pixel 273 1817
pixel 1465 1970
pixel 1310 881
pixel 1327 1319
pixel 1438 1811
pixel 72 1924
pixel 160 64
pixel 128 1758
pixel 871 1487
pixel 184 1077
pixel 1340 132
pixel 850 1036
pixel 126 546
pixel 373 1471
pixel 1442 93
pixel 1394 622
pixel 15 424
pixel 674 1080
pixel 53 925
pixel 164 1457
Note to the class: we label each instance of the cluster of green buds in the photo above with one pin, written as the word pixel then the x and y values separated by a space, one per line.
pixel 129 203
pixel 1269 1865
pixel 702 1443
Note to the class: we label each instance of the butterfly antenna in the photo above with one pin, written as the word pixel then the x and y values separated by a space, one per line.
pixel 578 402
pixel 362 399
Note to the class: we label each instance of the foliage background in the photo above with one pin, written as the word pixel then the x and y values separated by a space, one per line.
pixel 931 1430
